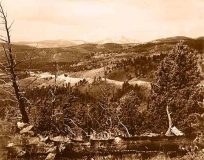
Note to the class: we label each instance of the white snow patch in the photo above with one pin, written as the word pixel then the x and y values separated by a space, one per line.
pixel 73 80
pixel 46 75
pixel 62 77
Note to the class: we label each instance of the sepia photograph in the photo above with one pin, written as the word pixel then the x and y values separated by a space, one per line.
pixel 101 79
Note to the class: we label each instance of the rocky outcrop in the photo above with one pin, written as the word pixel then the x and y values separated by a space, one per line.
pixel 27 143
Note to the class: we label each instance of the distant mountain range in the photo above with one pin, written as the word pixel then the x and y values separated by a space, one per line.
pixel 115 40
pixel 51 43
pixel 68 43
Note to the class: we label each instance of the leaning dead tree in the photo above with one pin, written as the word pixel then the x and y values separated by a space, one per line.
pixel 168 133
pixel 11 63
pixel 172 130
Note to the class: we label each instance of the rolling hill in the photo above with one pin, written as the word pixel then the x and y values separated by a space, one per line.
pixel 89 56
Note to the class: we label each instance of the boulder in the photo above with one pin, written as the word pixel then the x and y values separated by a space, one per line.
pixel 34 140
pixel 21 125
pixel 43 139
pixel 50 156
pixel 26 129
pixel 147 134
pixel 176 131
pixel 52 149
pixel 60 139
pixel 117 140
pixel 10 145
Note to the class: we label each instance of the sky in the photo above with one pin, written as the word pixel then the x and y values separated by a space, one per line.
pixel 95 20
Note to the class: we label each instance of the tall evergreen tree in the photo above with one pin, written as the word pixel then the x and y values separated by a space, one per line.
pixel 175 86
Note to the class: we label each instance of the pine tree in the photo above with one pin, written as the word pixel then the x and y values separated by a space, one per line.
pixel 129 112
pixel 175 86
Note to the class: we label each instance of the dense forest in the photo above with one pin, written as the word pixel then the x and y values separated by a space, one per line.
pixel 100 110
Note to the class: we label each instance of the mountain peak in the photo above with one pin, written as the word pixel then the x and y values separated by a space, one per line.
pixel 118 39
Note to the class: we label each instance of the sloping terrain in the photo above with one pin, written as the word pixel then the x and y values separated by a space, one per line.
pixel 88 59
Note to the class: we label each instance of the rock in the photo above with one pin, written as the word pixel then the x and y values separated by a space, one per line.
pixel 117 140
pixel 26 129
pixel 21 153
pixel 150 134
pixel 43 147
pixel 34 140
pixel 176 131
pixel 43 139
pixel 31 133
pixel 62 147
pixel 52 150
pixel 10 145
pixel 21 125
pixel 50 156
pixel 60 139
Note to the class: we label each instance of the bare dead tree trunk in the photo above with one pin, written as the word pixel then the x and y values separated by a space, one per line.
pixel 11 65
pixel 127 131
pixel 105 72
pixel 56 72
pixel 168 133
